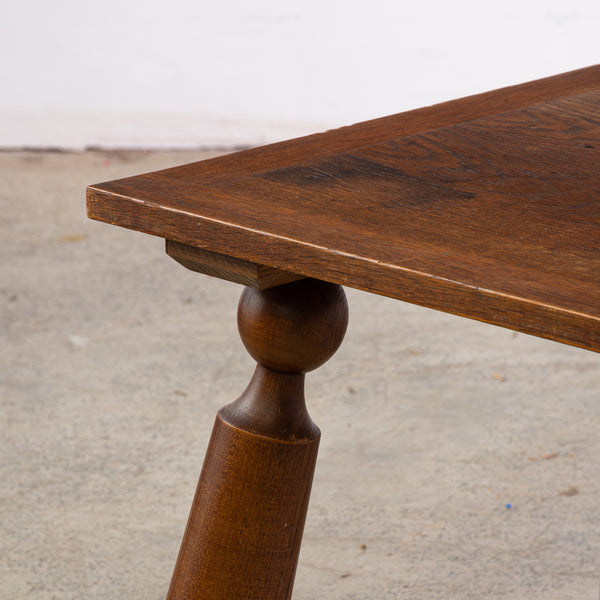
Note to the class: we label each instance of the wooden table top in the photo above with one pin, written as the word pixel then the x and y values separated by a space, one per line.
pixel 486 207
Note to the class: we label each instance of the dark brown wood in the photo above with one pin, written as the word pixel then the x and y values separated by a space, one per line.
pixel 486 207
pixel 245 527
pixel 293 328
pixel 226 267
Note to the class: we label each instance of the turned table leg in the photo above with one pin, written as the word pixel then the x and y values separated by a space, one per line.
pixel 245 527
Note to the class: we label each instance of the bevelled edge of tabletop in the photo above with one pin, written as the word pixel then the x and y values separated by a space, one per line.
pixel 558 323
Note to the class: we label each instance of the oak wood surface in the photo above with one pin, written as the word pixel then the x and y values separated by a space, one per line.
pixel 245 527
pixel 227 267
pixel 244 531
pixel 486 207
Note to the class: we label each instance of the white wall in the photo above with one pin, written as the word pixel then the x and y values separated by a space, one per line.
pixel 76 73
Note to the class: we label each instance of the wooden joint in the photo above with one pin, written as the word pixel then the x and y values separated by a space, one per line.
pixel 238 270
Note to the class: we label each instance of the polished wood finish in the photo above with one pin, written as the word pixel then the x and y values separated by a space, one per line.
pixel 487 207
pixel 226 267
pixel 293 328
pixel 245 527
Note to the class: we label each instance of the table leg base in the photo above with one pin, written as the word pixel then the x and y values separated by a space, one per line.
pixel 244 531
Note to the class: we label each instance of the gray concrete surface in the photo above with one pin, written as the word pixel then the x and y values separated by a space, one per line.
pixel 458 460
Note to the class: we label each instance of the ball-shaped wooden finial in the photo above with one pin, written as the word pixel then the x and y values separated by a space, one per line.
pixel 293 328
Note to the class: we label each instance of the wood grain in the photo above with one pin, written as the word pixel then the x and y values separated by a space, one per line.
pixel 244 531
pixel 245 527
pixel 293 328
pixel 486 207
pixel 226 267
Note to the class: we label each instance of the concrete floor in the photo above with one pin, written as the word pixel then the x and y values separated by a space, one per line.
pixel 458 460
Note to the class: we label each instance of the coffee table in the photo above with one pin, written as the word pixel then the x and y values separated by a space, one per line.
pixel 486 207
